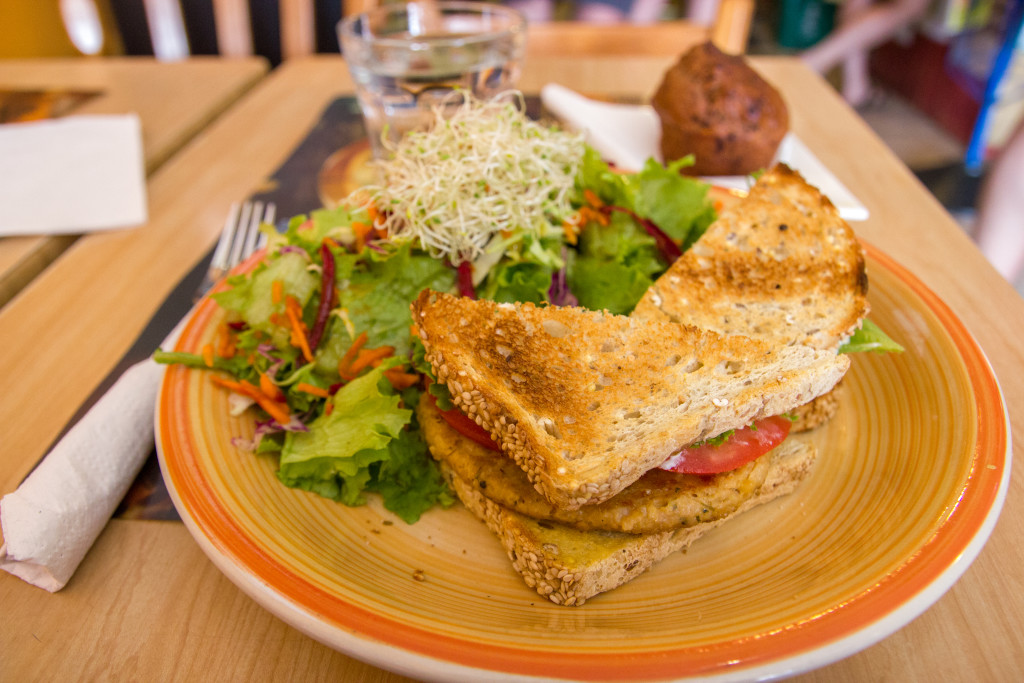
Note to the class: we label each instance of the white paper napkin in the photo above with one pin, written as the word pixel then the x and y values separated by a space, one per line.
pixel 72 175
pixel 53 518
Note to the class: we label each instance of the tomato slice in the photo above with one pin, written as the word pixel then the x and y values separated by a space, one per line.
pixel 461 423
pixel 741 447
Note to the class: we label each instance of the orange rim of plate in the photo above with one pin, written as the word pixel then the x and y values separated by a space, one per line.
pixel 977 498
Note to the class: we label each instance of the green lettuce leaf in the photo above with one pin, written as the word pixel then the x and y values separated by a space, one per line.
pixel 380 288
pixel 408 481
pixel 512 282
pixel 676 203
pixel 616 264
pixel 252 296
pixel 870 337
pixel 333 458
pixel 309 231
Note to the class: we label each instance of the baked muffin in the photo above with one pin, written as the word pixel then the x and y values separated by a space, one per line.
pixel 716 107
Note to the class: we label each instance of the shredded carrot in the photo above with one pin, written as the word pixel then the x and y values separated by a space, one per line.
pixel 586 214
pixel 277 291
pixel 571 230
pixel 400 379
pixel 362 231
pixel 298 338
pixel 268 387
pixel 328 409
pixel 208 355
pixel 310 389
pixel 276 410
pixel 592 198
pixel 350 355
pixel 599 217
pixel 366 358
pixel 225 341
pixel 414 331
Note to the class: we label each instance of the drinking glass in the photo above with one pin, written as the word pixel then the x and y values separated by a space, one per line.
pixel 407 59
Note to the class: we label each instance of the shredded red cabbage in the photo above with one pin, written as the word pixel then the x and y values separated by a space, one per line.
pixel 323 311
pixel 559 293
pixel 464 277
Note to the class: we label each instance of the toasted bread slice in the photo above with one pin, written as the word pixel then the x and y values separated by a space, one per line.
pixel 587 402
pixel 779 265
pixel 568 566
pixel 657 501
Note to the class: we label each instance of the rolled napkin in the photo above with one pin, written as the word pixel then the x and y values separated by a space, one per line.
pixel 53 518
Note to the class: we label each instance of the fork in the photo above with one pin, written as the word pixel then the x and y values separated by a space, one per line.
pixel 239 238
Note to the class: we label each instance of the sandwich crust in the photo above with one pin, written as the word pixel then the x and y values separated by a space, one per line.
pixel 586 402
pixel 780 265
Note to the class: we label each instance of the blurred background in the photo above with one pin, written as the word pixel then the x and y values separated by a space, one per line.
pixel 940 81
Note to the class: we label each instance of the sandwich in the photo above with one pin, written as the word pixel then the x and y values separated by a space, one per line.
pixel 582 415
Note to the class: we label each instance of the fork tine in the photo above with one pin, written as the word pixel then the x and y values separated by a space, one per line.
pixel 252 232
pixel 227 233
pixel 244 226
pixel 269 216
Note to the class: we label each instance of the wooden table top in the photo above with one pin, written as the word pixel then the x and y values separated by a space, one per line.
pixel 147 604
pixel 174 101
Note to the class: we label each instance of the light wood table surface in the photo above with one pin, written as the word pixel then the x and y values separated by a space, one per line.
pixel 146 604
pixel 174 101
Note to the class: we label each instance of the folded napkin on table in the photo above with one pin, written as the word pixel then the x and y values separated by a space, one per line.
pixel 53 518
pixel 71 175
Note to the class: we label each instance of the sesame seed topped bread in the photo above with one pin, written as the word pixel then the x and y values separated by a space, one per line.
pixel 586 402
pixel 568 565
pixel 780 265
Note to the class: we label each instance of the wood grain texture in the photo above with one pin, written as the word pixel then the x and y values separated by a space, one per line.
pixel 147 597
pixel 174 101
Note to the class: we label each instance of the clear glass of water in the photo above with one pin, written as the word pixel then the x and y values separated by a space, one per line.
pixel 407 59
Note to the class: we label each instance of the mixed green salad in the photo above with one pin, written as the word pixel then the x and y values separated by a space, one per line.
pixel 318 335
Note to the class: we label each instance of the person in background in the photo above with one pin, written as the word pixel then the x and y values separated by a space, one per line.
pixel 999 227
pixel 863 25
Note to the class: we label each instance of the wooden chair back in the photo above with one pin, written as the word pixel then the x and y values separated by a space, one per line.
pixel 169 31
pixel 729 30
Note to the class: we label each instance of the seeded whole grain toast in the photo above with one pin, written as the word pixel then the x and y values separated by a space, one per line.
pixel 780 265
pixel 568 565
pixel 586 402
